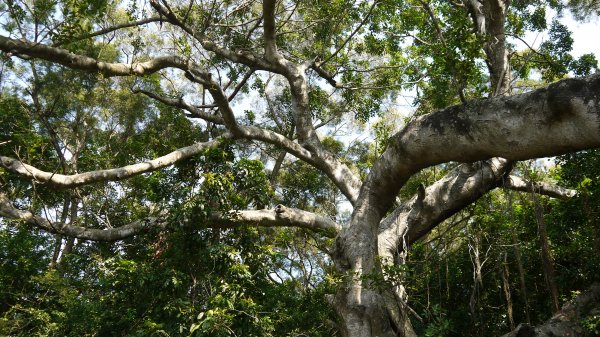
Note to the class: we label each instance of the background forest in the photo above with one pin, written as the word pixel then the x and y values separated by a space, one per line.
pixel 509 258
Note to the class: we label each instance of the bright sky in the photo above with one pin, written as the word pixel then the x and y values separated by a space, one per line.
pixel 585 35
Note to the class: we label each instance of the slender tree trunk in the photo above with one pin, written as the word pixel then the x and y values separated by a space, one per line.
pixel 475 255
pixel 70 242
pixel 506 287
pixel 59 239
pixel 68 248
pixel 447 273
pixel 276 168
pixel 56 251
pixel 547 261
pixel 517 252
pixel 521 269
pixel 591 221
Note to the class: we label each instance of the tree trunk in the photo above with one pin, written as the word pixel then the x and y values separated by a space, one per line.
pixel 381 314
pixel 56 252
pixel 68 248
pixel 591 221
pixel 368 242
pixel 59 238
pixel 517 252
pixel 475 255
pixel 522 284
pixel 369 302
pixel 70 241
pixel 506 287
pixel 382 310
pixel 547 262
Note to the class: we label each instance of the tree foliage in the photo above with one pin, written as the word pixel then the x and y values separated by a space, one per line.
pixel 248 168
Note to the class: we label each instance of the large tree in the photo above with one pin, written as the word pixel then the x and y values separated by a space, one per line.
pixel 278 80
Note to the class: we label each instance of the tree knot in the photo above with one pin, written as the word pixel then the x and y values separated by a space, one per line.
pixel 280 209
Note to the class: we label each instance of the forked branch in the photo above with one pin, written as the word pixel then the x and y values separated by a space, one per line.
pixel 544 188
pixel 280 216
pixel 436 203
pixel 74 180
pixel 194 111
pixel 243 57
pixel 7 210
pixel 27 49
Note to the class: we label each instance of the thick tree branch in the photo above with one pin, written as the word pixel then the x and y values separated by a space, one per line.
pixel 459 188
pixel 320 158
pixel 64 57
pixel 295 74
pixel 269 30
pixel 8 211
pixel 69 181
pixel 514 127
pixel 316 156
pixel 280 216
pixel 544 188
pixel 338 172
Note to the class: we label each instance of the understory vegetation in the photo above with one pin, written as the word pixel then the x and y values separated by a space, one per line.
pixel 295 168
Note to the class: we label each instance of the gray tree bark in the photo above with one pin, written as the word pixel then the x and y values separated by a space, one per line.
pixel 487 135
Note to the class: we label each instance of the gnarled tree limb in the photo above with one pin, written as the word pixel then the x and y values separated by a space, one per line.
pixel 513 127
pixel 544 188
pixel 69 181
pixel 280 216
pixel 7 210
pixel 419 215
pixel 459 188
pixel 64 57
